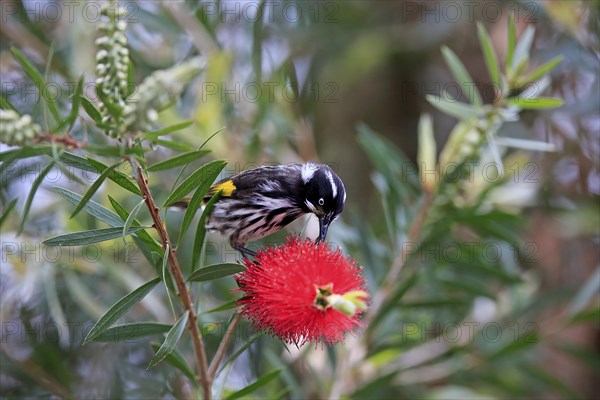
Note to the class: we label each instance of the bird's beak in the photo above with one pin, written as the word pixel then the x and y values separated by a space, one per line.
pixel 324 222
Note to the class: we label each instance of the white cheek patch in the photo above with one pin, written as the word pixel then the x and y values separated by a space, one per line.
pixel 308 171
pixel 332 182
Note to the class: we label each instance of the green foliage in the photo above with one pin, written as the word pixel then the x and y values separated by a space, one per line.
pixel 437 293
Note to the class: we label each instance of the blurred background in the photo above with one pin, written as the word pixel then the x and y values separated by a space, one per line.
pixel 344 83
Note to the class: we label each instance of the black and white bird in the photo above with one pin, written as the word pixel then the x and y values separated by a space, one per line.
pixel 260 201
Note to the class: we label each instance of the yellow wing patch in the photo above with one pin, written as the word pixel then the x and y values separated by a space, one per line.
pixel 227 188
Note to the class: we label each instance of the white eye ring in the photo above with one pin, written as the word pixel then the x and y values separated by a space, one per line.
pixel 321 201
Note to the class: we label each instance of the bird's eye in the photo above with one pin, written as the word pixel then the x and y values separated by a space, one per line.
pixel 321 201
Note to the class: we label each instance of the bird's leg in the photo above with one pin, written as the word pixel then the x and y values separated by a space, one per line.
pixel 245 251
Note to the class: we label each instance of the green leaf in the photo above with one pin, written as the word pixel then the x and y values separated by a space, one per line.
pixel 5 214
pixel 171 340
pixel 489 53
pixel 201 230
pixel 134 330
pixel 95 186
pixel 74 113
pixel 454 108
pixel 131 217
pixel 179 146
pixel 197 198
pixel 119 309
pixel 461 76
pixel 91 110
pixel 512 41
pixel 88 237
pixel 34 187
pixel 92 208
pixel 215 271
pixel 38 81
pixel 263 380
pixel 165 271
pixel 168 130
pixel 176 360
pixel 117 177
pixel 591 315
pixel 224 307
pixel 523 47
pixel 197 178
pixel 427 147
pixel 24 152
pixel 394 299
pixel 541 71
pixel 241 350
pixel 124 214
pixel 5 104
pixel 538 103
pixel 176 161
pixel 525 144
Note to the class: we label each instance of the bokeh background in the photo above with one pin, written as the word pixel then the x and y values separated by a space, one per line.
pixel 299 84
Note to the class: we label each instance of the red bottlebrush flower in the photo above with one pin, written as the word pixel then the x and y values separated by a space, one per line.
pixel 302 291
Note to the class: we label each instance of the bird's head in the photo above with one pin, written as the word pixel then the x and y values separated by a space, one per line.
pixel 324 194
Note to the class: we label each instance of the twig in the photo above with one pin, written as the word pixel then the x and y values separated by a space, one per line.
pixel 184 294
pixel 67 140
pixel 229 333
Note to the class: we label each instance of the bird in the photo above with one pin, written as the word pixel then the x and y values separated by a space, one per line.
pixel 257 202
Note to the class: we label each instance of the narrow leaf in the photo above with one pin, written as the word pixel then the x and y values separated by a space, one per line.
pixel 454 108
pixel 224 307
pixel 489 53
pixel 95 186
pixel 134 330
pixel 131 217
pixel 24 152
pixel 538 103
pixel 197 178
pixel 168 130
pixel 171 340
pixel 523 47
pixel 117 177
pixel 179 146
pixel 91 110
pixel 201 230
pixel 165 271
pixel 524 144
pixel 461 76
pixel 263 380
pixel 241 350
pixel 34 187
pixel 75 103
pixel 541 70
pixel 176 360
pixel 5 104
pixel 215 271
pixel 38 81
pixel 123 214
pixel 6 212
pixel 176 161
pixel 197 198
pixel 119 309
pixel 88 237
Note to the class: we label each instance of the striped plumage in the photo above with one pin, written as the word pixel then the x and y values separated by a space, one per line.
pixel 260 201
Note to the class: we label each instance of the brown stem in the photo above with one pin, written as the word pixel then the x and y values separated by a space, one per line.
pixel 66 140
pixel 229 333
pixel 184 293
